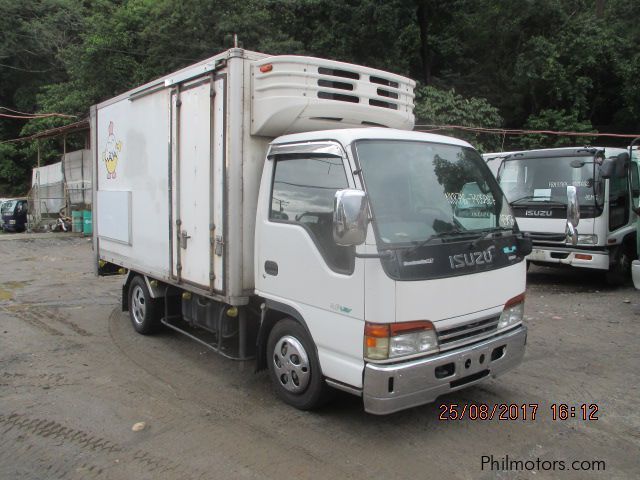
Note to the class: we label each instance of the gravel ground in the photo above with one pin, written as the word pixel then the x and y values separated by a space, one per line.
pixel 75 378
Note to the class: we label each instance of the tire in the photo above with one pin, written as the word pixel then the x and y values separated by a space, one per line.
pixel 294 367
pixel 620 268
pixel 144 311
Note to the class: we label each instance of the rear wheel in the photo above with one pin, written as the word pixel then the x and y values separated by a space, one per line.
pixel 294 367
pixel 144 311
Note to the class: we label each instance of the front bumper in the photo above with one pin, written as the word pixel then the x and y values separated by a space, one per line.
pixel 567 256
pixel 390 388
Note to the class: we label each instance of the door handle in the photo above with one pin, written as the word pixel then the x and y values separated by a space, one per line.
pixel 271 268
pixel 183 239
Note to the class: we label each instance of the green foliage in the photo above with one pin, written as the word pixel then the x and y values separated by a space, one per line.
pixel 445 107
pixel 559 121
pixel 12 171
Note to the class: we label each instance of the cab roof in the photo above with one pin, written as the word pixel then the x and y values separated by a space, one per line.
pixel 347 136
pixel 554 152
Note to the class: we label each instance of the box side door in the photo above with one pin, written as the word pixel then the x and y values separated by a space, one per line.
pixel 198 165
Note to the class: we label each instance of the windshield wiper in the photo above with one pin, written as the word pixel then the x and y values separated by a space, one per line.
pixel 490 233
pixel 543 199
pixel 437 236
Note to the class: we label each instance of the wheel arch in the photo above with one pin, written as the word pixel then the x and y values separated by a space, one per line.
pixel 273 312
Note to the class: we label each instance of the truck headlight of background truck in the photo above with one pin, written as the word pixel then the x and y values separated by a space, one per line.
pixel 587 239
pixel 513 313
pixel 383 341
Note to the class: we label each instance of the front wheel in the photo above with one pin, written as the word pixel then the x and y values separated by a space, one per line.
pixel 620 267
pixel 144 311
pixel 294 367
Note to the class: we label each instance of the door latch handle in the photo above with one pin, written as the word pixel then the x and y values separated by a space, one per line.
pixel 183 239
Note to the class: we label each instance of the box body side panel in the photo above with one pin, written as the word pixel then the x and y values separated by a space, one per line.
pixel 132 155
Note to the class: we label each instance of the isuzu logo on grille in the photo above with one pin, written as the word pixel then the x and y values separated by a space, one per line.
pixel 538 213
pixel 462 260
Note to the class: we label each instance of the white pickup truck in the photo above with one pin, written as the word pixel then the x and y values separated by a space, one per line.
pixel 257 206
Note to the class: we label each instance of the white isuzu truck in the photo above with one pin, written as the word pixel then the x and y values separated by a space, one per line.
pixel 598 184
pixel 257 205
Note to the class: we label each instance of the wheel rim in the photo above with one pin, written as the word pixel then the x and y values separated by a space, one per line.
pixel 291 364
pixel 138 304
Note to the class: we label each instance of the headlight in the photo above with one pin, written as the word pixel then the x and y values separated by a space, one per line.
pixel 588 239
pixel 513 313
pixel 383 341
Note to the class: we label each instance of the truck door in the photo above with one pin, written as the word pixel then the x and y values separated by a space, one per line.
pixel 299 264
pixel 197 168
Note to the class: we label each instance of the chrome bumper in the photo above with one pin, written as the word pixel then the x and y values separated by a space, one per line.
pixel 390 388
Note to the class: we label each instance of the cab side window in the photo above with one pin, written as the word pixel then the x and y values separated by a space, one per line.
pixel 303 191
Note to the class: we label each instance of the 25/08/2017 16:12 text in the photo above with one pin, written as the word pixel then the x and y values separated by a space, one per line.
pixel 515 411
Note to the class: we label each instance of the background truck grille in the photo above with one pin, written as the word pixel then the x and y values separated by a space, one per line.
pixel 548 237
pixel 469 332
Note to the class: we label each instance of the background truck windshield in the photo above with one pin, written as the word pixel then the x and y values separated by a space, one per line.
pixel 546 179
pixel 418 190
pixel 7 207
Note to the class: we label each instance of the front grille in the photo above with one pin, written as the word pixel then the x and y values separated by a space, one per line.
pixel 467 333
pixel 547 237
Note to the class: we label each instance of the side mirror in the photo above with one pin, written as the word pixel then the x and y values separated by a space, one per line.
pixel 573 209
pixel 614 167
pixel 349 217
pixel 573 215
pixel 572 234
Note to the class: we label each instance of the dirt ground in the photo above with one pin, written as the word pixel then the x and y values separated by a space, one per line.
pixel 75 378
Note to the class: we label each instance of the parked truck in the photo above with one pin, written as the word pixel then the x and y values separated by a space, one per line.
pixel 280 208
pixel 552 190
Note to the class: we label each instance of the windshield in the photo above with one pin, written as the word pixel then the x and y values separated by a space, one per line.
pixel 545 180
pixel 420 190
pixel 7 207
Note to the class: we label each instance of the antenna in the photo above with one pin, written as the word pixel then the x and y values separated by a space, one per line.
pixel 235 40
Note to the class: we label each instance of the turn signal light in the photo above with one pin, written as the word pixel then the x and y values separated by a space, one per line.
pixel 266 68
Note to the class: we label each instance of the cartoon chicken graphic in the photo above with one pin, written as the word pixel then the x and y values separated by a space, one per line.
pixel 110 153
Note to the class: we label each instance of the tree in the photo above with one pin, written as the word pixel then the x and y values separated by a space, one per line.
pixel 556 120
pixel 445 107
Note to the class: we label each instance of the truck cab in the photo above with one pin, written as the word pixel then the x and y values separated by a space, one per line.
pixel 427 298
pixel 535 183
pixel 14 215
